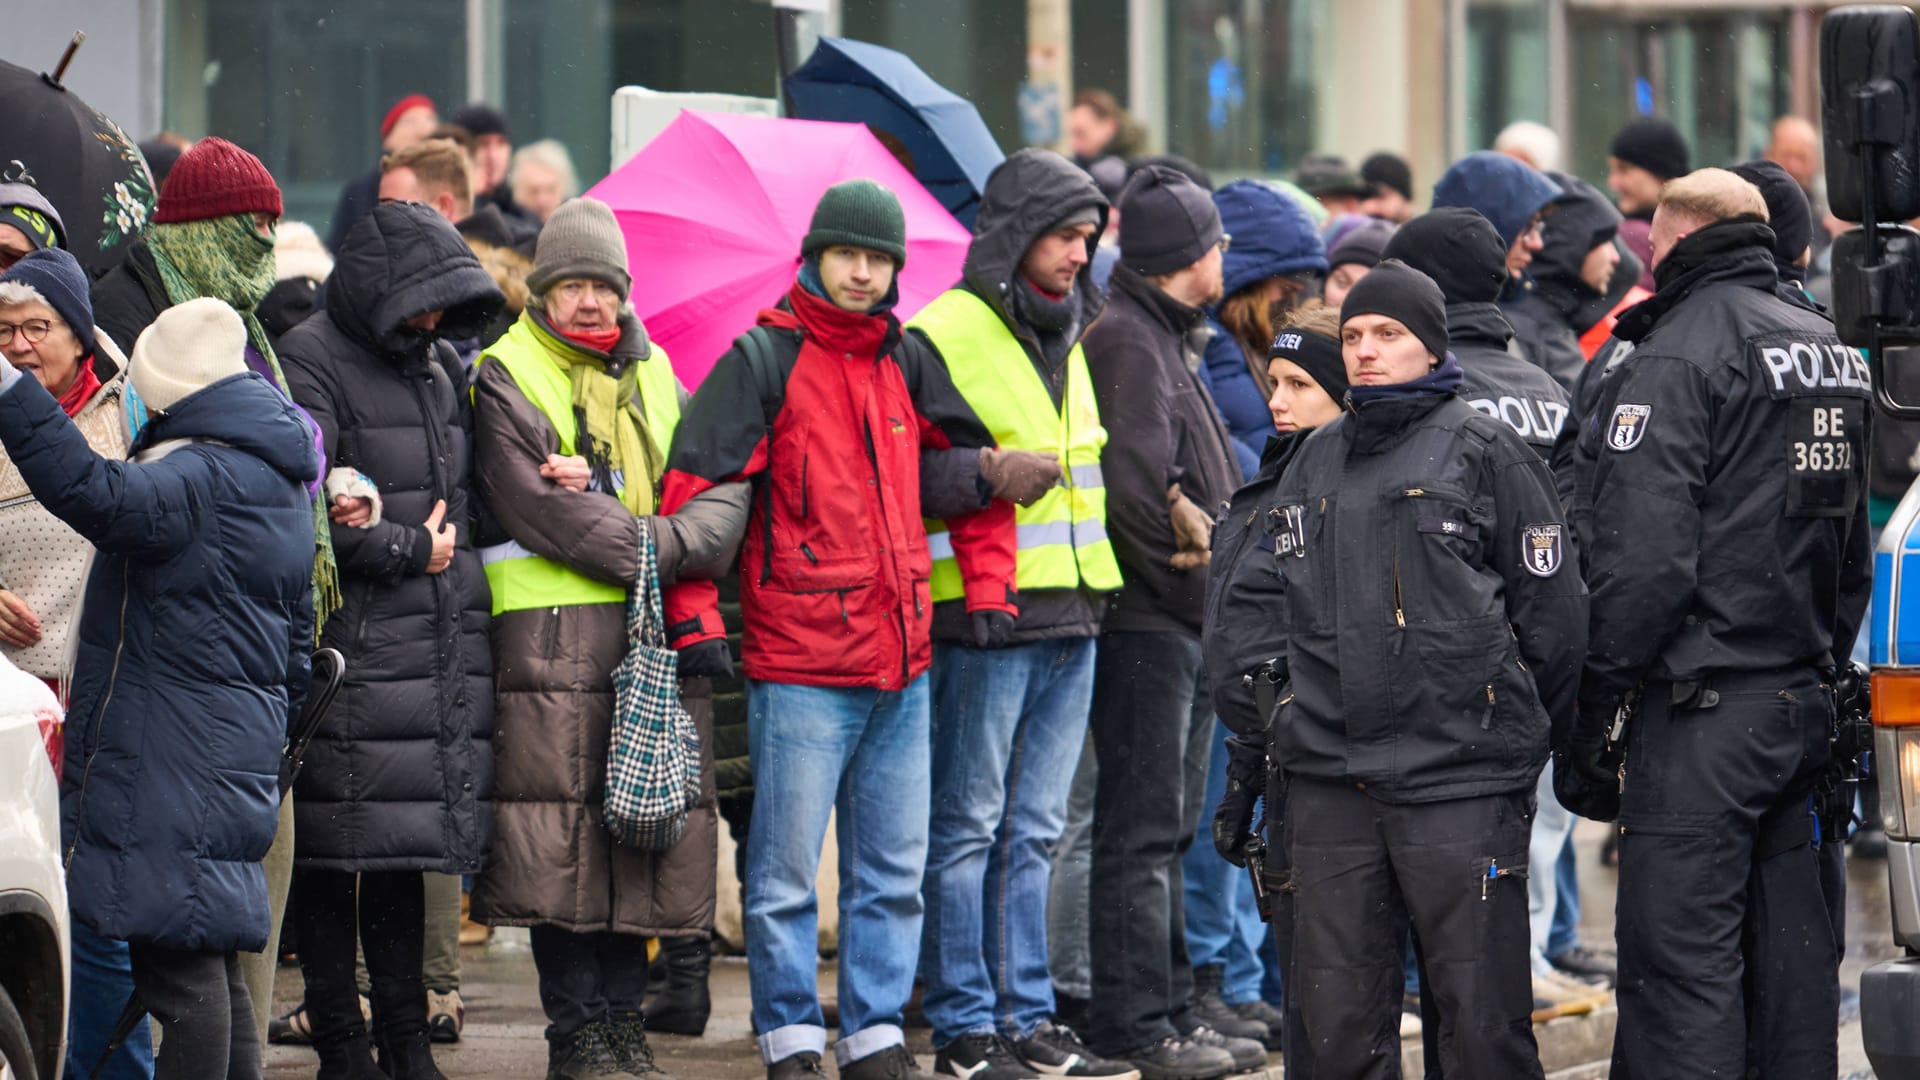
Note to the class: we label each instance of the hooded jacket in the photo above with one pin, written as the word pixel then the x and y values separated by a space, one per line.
pixel 401 776
pixel 1506 191
pixel 1272 236
pixel 193 649
pixel 1027 195
pixel 1436 621
pixel 1738 422
pixel 1548 308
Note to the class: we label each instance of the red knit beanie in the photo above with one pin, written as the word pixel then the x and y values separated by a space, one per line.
pixel 411 101
pixel 214 179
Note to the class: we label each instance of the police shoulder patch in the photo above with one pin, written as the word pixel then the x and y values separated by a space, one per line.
pixel 1542 548
pixel 1629 426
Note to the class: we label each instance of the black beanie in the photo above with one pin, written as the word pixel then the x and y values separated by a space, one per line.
pixel 480 119
pixel 1405 295
pixel 1655 145
pixel 1167 222
pixel 1317 354
pixel 1787 209
pixel 1459 249
pixel 1388 170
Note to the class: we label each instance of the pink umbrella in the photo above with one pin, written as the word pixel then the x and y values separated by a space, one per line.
pixel 714 209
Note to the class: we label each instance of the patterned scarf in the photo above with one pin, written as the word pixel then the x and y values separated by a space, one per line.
pixel 228 259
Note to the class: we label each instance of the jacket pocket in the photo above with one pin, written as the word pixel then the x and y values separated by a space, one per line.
pixel 1438 558
pixel 802 569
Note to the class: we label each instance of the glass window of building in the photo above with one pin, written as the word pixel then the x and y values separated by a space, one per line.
pixel 1506 66
pixel 1242 80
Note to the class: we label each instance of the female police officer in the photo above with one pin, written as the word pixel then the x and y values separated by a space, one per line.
pixel 1435 624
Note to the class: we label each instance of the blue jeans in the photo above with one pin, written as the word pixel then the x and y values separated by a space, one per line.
pixel 1008 726
pixel 1565 935
pixel 1223 919
pixel 102 983
pixel 862 755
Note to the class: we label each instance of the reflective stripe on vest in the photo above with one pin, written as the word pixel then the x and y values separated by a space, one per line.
pixel 519 578
pixel 1063 536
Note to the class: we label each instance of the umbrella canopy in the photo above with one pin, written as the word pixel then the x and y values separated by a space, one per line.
pixel 715 207
pixel 80 160
pixel 949 145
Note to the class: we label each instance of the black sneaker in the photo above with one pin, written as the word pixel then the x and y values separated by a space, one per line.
pixel 982 1057
pixel 801 1066
pixel 893 1063
pixel 1262 1013
pixel 1054 1050
pixel 1211 1009
pixel 1587 965
pixel 1179 1058
pixel 1247 1054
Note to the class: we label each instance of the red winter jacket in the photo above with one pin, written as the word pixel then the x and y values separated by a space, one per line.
pixel 833 574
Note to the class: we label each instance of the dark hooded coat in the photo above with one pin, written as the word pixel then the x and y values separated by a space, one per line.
pixel 401 775
pixel 1548 308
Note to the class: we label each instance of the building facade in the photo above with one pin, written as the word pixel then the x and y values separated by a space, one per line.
pixel 1243 87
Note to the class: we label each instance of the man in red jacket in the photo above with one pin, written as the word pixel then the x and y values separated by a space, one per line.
pixel 827 407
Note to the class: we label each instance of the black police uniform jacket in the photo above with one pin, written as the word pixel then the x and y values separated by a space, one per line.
pixel 1501 384
pixel 1728 494
pixel 1436 617
pixel 1245 624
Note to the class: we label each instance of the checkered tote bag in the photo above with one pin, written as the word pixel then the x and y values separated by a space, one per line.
pixel 653 765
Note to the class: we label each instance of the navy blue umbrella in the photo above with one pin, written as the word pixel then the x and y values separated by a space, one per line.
pixel 946 144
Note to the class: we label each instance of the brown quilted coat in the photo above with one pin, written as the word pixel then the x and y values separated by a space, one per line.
pixel 554 862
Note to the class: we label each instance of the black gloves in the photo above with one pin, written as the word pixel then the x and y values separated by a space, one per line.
pixel 1583 783
pixel 706 659
pixel 1233 821
pixel 991 629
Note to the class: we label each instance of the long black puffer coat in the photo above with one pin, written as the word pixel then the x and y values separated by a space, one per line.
pixel 401 774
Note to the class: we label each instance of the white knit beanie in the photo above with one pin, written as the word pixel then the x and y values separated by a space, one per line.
pixel 188 348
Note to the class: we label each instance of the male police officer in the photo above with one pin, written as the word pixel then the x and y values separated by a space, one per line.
pixel 1436 623
pixel 1729 563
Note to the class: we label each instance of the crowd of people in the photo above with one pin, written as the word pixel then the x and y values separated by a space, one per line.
pixel 1182 502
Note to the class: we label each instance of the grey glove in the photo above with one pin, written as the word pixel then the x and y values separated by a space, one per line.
pixel 1019 476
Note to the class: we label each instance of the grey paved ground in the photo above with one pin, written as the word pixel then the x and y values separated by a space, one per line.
pixel 503 1036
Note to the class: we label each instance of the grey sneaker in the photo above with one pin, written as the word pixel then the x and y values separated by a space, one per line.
pixel 1247 1054
pixel 1179 1058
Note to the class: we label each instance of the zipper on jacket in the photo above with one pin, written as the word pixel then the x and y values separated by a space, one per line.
pixel 1486 718
pixel 1414 493
pixel 766 530
pixel 804 460
pixel 1399 611
pixel 808 552
pixel 100 714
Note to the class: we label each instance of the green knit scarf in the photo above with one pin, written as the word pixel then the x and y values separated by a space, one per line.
pixel 227 258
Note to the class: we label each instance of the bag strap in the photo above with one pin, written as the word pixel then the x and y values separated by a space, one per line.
pixel 646 622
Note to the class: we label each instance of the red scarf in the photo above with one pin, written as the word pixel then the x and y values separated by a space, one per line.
pixel 602 340
pixel 85 385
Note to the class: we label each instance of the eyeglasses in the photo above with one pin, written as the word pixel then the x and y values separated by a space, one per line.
pixel 34 330
pixel 1226 241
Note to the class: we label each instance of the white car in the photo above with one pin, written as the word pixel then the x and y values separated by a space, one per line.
pixel 33 887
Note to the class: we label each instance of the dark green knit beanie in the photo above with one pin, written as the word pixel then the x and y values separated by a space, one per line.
pixel 860 213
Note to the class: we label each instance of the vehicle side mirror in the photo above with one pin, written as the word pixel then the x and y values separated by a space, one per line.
pixel 1870 111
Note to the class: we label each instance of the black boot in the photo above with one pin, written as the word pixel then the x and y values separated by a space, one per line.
pixel 1211 1009
pixel 400 1018
pixel 682 1005
pixel 346 1057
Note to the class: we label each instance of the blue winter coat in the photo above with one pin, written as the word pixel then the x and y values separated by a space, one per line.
pixel 194 639
pixel 1272 235
pixel 1506 191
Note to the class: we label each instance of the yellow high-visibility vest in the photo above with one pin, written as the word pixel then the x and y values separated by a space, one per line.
pixel 1062 537
pixel 519 578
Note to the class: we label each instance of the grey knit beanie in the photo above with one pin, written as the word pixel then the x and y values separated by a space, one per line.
pixel 860 213
pixel 581 240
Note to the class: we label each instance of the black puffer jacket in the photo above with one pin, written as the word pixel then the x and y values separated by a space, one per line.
pixel 1503 385
pixel 1436 618
pixel 401 775
pixel 127 298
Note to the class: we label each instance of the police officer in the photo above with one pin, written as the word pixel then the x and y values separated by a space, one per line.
pixel 1729 557
pixel 1461 252
pixel 1435 624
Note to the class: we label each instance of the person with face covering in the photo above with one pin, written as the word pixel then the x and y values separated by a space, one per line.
pixel 1246 623
pixel 1436 628
pixel 1573 270
pixel 399 781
